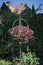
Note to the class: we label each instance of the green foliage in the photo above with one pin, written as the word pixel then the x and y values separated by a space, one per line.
pixel 35 23
pixel 4 62
pixel 0 11
pixel 33 10
pixel 6 41
pixel 28 58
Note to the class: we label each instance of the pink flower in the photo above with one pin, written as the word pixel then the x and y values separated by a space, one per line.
pixel 23 33
pixel 15 29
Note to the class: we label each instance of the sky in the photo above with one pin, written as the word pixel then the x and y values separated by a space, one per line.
pixel 28 2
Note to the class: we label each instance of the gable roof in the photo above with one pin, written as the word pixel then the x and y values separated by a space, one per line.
pixel 18 8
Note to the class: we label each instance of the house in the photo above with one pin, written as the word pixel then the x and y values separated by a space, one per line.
pixel 7 7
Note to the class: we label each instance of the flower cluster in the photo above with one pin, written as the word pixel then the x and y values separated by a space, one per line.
pixel 23 33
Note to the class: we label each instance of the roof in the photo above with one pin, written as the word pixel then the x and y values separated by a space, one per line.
pixel 8 2
pixel 40 15
pixel 18 8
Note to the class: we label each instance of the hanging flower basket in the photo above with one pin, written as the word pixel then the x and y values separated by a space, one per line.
pixel 22 33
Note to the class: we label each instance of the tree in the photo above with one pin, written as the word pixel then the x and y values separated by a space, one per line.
pixel 5 38
pixel 33 9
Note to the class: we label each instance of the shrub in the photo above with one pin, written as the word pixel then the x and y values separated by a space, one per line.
pixel 28 59
pixel 4 62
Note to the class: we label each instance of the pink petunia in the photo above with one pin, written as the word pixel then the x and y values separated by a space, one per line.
pixel 23 33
